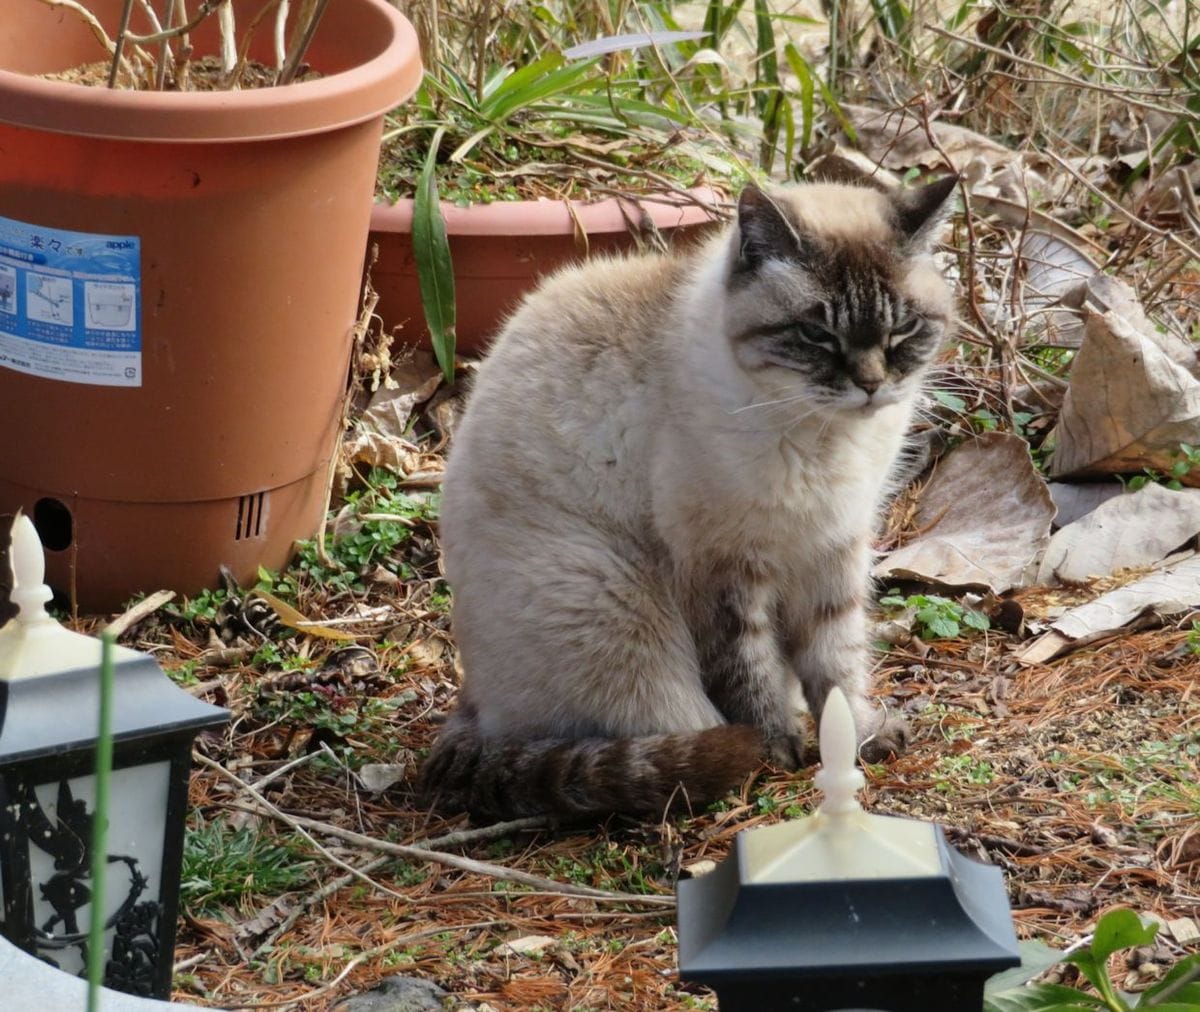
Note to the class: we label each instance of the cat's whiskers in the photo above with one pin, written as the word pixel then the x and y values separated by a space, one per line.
pixel 770 404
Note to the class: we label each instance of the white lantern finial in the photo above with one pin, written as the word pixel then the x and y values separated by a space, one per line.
pixel 32 643
pixel 839 778
pixel 28 564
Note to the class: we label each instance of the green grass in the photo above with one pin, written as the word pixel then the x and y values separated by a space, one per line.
pixel 1155 770
pixel 226 868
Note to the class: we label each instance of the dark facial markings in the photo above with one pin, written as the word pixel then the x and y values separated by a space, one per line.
pixel 863 335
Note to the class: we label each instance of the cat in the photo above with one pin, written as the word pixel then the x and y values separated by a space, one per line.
pixel 658 507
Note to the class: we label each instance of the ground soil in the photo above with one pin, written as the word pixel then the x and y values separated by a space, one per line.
pixel 203 74
pixel 1079 779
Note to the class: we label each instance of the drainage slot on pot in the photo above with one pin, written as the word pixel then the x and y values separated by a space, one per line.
pixel 251 518
pixel 54 524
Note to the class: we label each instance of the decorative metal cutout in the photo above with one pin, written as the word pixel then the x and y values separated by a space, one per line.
pixel 67 841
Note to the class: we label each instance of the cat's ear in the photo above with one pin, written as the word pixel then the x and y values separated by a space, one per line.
pixel 764 232
pixel 920 212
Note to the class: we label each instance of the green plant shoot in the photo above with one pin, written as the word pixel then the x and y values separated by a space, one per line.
pixel 435 269
pixel 99 842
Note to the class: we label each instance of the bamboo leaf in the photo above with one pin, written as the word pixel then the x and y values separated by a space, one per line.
pixel 512 92
pixel 807 79
pixel 435 269
pixel 626 43
pixel 766 64
pixel 294 619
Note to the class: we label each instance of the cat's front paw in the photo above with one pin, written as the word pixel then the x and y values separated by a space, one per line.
pixel 890 738
pixel 785 749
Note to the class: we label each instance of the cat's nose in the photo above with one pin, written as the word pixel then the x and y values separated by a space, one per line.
pixel 869 385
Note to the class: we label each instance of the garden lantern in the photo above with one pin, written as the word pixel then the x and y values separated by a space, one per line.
pixel 845 910
pixel 49 699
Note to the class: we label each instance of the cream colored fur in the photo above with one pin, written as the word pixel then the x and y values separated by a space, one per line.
pixel 622 450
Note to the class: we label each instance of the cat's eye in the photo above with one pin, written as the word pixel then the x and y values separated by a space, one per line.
pixel 904 330
pixel 814 333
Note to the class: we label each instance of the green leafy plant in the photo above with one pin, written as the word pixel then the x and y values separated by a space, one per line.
pixel 937 617
pixel 954 769
pixel 1177 991
pixel 435 267
pixel 564 100
pixel 99 840
pixel 1193 638
pixel 528 114
pixel 202 607
pixel 382 520
pixel 1188 457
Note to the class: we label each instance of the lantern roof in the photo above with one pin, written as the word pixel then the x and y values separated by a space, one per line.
pixel 843 892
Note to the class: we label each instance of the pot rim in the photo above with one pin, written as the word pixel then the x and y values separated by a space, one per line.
pixel 552 217
pixel 343 99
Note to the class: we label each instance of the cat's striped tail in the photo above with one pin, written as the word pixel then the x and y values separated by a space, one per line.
pixel 584 777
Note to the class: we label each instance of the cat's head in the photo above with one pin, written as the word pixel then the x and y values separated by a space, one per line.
pixel 832 294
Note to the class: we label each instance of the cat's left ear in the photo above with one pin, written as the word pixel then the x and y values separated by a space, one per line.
pixel 920 212
pixel 764 231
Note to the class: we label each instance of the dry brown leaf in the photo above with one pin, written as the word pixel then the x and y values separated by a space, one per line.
pixel 1074 501
pixel 1138 529
pixel 1129 404
pixel 378 439
pixel 376 777
pixel 364 446
pixel 1052 267
pixel 271 915
pixel 529 945
pixel 1169 591
pixel 1104 294
pixel 1184 930
pixel 897 139
pixel 985 516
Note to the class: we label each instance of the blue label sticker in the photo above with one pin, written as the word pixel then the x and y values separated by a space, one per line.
pixel 71 304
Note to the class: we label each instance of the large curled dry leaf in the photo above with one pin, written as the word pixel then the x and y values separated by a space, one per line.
pixel 1169 591
pixel 984 516
pixel 1138 529
pixel 898 139
pixel 1131 402
pixel 1105 294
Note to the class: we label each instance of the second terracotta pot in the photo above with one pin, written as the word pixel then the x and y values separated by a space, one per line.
pixel 502 250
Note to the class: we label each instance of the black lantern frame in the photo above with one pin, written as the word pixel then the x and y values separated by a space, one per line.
pixel 47 755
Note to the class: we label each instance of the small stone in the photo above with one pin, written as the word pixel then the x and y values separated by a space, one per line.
pixel 402 994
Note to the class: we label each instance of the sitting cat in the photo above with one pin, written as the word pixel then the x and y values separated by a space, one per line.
pixel 658 508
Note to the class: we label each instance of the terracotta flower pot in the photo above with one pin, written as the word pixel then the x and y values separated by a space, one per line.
pixel 179 277
pixel 500 251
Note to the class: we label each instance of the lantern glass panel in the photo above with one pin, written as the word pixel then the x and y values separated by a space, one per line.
pixel 59 863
